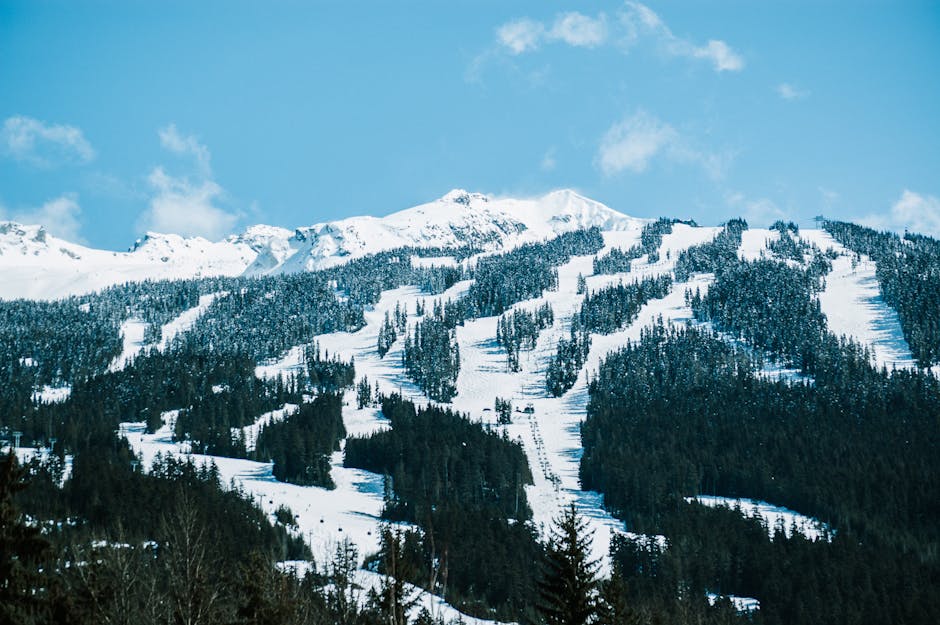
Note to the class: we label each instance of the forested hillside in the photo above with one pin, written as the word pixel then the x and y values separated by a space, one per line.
pixel 445 429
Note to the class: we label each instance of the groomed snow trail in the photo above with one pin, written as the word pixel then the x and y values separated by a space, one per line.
pixel 854 307
pixel 132 331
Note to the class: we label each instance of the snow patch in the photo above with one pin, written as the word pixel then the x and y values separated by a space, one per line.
pixel 774 517
pixel 52 394
pixel 741 604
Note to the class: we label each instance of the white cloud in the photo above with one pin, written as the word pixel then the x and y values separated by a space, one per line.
pixel 522 35
pixel 912 211
pixel 790 92
pixel 639 20
pixel 634 22
pixel 44 145
pixel 183 205
pixel 549 161
pixel 759 212
pixel 631 144
pixel 722 57
pixel 579 30
pixel 59 216
pixel 185 145
pixel 187 208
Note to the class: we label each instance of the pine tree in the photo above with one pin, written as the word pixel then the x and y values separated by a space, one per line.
pixel 342 596
pixel 395 597
pixel 613 608
pixel 568 589
pixel 22 549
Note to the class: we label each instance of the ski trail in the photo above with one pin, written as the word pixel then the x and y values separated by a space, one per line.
pixel 132 331
pixel 854 307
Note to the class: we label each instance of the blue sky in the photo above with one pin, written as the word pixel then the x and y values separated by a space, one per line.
pixel 204 117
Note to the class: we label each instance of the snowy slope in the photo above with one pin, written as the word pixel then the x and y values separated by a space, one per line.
pixel 132 332
pixel 34 264
pixel 854 307
pixel 550 435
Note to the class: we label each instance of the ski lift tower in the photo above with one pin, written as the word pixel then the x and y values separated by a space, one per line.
pixel 16 439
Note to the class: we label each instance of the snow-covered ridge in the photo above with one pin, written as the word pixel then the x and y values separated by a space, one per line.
pixel 37 265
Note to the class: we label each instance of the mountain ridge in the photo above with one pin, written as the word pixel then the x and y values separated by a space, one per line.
pixel 42 266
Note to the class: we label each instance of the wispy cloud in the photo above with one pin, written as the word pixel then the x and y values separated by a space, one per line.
pixel 579 30
pixel 572 28
pixel 44 145
pixel 912 211
pixel 634 23
pixel 788 91
pixel 639 22
pixel 59 216
pixel 549 160
pixel 759 212
pixel 522 35
pixel 181 206
pixel 186 205
pixel 828 197
pixel 631 144
pixel 185 145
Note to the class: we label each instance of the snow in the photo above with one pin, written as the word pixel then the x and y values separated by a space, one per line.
pixel 323 516
pixel 36 265
pixel 754 243
pixel 25 454
pixel 364 580
pixel 185 321
pixel 436 606
pixel 250 433
pixel 132 331
pixel 52 394
pixel 551 435
pixel 773 517
pixel 290 363
pixel 854 307
pixel 741 604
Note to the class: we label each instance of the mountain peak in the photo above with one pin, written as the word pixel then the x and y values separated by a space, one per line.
pixel 16 230
pixel 461 196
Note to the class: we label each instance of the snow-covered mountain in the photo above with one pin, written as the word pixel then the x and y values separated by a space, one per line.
pixel 35 264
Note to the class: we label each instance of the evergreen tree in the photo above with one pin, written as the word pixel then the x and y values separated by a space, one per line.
pixel 22 550
pixel 395 597
pixel 388 334
pixel 568 590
